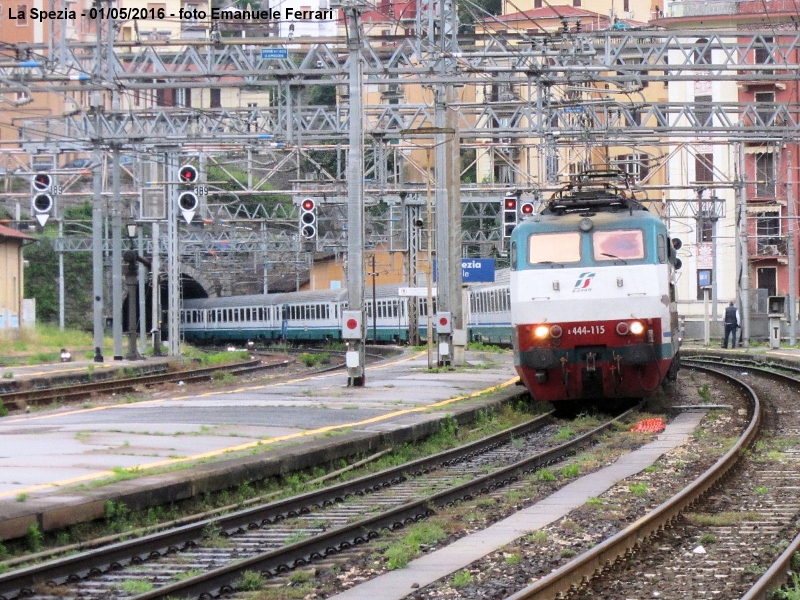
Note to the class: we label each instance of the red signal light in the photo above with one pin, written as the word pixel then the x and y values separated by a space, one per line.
pixel 527 209
pixel 352 324
pixel 443 321
pixel 511 204
pixel 308 204
pixel 187 174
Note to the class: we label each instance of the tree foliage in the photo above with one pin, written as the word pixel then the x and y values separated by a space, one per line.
pixel 41 276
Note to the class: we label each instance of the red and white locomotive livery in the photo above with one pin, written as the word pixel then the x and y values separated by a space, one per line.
pixel 593 311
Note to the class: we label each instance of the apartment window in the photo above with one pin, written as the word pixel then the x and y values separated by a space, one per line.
pixel 763 55
pixel 576 3
pixel 165 96
pixel 705 229
pixel 216 98
pixel 768 234
pixel 24 20
pixel 626 5
pixel 765 175
pixel 702 52
pixel 183 97
pixel 537 3
pixel 702 110
pixel 634 165
pixel 765 106
pixel 704 167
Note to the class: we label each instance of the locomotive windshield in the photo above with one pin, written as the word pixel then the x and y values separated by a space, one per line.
pixel 618 245
pixel 554 248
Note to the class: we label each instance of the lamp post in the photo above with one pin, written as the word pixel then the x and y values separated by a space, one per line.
pixel 131 281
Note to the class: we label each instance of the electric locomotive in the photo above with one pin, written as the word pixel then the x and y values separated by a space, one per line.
pixel 593 310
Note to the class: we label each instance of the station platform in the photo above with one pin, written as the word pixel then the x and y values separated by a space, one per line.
pixel 16 377
pixel 59 467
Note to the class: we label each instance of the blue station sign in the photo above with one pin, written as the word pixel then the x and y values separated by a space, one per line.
pixel 477 270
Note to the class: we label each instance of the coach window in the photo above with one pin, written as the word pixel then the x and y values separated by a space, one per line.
pixel 554 249
pixel 618 245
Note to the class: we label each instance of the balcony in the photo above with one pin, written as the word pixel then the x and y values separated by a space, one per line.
pixel 769 247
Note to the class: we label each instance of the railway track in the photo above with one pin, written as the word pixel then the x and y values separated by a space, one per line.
pixel 76 392
pixel 283 535
pixel 736 528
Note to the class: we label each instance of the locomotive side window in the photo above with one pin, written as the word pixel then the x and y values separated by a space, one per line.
pixel 662 248
pixel 554 248
pixel 615 245
pixel 513 256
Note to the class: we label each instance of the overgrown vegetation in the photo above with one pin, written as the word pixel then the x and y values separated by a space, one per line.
pixel 313 359
pixel 41 275
pixel 397 554
pixel 43 343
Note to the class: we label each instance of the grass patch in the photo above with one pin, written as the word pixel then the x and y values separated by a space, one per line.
pixel 251 581
pixel 544 475
pixel 638 489
pixel 707 538
pixel 43 343
pixel 461 579
pixel 136 586
pixel 212 359
pixel 397 554
pixel 313 359
pixel 570 471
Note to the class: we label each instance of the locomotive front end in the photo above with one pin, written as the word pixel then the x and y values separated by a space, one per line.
pixel 592 302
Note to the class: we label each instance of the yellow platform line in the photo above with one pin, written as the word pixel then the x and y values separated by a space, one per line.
pixel 249 445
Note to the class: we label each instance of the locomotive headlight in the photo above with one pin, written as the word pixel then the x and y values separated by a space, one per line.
pixel 622 328
pixel 637 327
pixel 541 331
pixel 556 331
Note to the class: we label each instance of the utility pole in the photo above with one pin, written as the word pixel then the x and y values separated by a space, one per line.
pixel 443 35
pixel 97 210
pixel 355 194
pixel 61 273
pixel 791 251
pixel 173 256
pixel 744 255
pixel 155 287
pixel 116 257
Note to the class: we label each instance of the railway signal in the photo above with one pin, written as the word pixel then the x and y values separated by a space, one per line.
pixel 510 216
pixel 187 199
pixel 188 174
pixel 42 201
pixel 308 219
pixel 526 209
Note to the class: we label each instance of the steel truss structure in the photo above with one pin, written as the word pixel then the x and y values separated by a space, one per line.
pixel 518 91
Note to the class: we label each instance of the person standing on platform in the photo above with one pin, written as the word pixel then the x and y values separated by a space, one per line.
pixel 731 324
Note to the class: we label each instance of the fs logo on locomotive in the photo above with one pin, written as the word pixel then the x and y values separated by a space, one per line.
pixel 584 282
